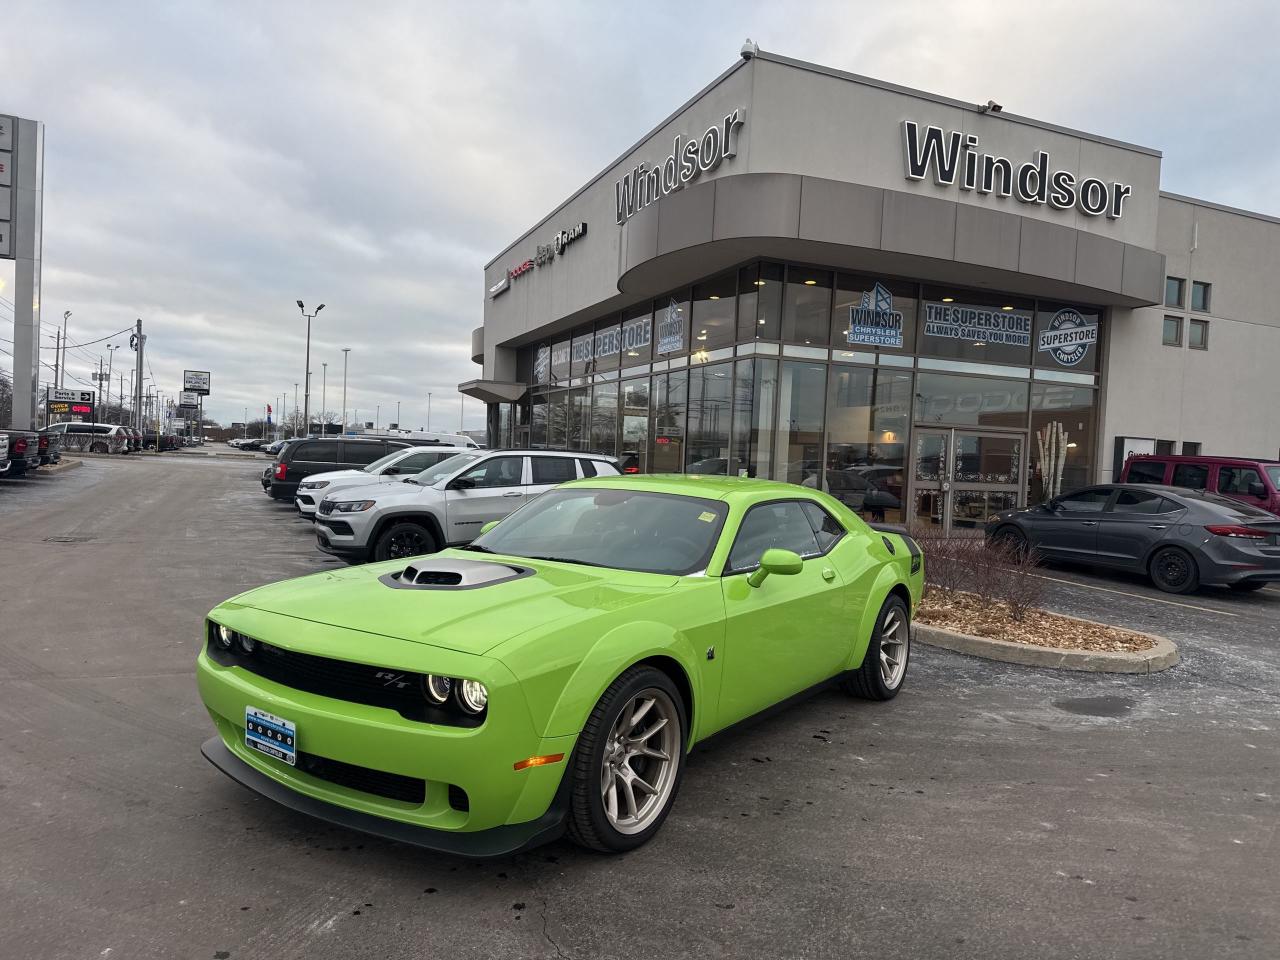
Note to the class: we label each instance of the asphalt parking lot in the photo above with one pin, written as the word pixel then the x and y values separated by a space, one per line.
pixel 989 811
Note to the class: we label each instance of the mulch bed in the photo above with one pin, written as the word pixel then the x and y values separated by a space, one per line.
pixel 968 613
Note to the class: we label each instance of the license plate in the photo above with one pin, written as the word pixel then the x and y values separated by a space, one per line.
pixel 272 735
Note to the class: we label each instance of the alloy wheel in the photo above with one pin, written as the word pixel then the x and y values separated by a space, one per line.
pixel 893 648
pixel 407 544
pixel 641 759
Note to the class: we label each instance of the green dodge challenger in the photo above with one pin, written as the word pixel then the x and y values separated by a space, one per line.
pixel 553 675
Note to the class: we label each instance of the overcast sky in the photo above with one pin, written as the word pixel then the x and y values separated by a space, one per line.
pixel 208 164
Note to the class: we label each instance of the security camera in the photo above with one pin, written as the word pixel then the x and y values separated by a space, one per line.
pixel 990 107
pixel 749 49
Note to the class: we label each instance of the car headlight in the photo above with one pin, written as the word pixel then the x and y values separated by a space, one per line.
pixel 315 484
pixel 226 637
pixel 353 506
pixel 437 688
pixel 473 696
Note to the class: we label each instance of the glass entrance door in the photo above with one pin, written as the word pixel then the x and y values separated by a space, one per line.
pixel 961 477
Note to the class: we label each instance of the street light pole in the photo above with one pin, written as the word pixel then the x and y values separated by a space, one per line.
pixel 345 351
pixel 397 414
pixel 324 386
pixel 111 353
pixel 62 376
pixel 295 409
pixel 306 391
pixel 428 411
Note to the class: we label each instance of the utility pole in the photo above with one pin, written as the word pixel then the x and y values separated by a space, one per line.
pixel 324 386
pixel 111 354
pixel 397 414
pixel 377 417
pixel 345 351
pixel 306 391
pixel 100 411
pixel 462 400
pixel 295 409
pixel 57 358
pixel 428 412
pixel 66 314
pixel 138 341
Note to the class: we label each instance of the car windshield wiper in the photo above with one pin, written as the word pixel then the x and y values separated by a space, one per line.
pixel 413 481
pixel 476 547
pixel 583 563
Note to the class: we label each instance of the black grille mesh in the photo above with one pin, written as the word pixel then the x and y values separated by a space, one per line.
pixel 393 786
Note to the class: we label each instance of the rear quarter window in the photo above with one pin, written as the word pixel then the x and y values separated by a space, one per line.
pixel 1193 476
pixel 362 454
pixel 317 451
pixel 1146 471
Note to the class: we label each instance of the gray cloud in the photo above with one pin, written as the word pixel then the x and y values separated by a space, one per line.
pixel 209 164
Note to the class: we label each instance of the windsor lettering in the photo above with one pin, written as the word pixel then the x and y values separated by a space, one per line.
pixel 689 159
pixel 952 158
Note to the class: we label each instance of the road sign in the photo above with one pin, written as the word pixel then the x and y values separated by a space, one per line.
pixel 68 396
pixel 189 398
pixel 196 381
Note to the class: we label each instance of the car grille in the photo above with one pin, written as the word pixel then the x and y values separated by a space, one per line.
pixel 392 786
pixel 396 690
pixel 326 507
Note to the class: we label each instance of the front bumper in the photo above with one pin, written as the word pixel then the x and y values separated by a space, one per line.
pixel 483 844
pixel 519 805
pixel 344 534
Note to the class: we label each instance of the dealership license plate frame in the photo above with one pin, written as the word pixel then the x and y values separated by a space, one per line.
pixel 272 735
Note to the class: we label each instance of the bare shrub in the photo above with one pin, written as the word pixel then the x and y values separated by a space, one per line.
pixel 1021 588
pixel 948 563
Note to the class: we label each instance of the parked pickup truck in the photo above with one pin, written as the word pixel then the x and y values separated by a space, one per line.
pixel 4 454
pixel 24 451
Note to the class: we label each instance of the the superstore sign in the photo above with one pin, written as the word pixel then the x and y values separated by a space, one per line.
pixel 962 321
pixel 1068 336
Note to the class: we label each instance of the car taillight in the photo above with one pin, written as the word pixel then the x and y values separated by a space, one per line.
pixel 1245 533
pixel 20 445
pixel 280 471
pixel 44 443
pixel 631 470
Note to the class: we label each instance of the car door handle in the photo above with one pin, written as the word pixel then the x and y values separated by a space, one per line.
pixel 828 574
pixel 1088 523
pixel 1157 526
pixel 513 493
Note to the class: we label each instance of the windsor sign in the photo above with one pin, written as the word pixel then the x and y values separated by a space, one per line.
pixel 951 158
pixel 690 157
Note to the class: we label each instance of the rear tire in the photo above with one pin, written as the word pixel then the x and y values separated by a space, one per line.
pixel 1173 570
pixel 1248 586
pixel 98 448
pixel 884 668
pixel 608 812
pixel 402 540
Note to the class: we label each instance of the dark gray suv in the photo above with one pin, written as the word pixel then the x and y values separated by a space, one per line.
pixel 1179 538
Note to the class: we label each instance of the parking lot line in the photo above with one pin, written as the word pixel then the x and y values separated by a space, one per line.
pixel 1138 596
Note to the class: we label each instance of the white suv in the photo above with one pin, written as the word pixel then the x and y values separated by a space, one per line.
pixel 395 466
pixel 447 504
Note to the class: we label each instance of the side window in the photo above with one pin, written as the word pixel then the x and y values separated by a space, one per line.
pixel 767 525
pixel 826 528
pixel 1146 471
pixel 552 469
pixel 496 472
pixel 317 451
pixel 1237 479
pixel 602 468
pixel 1086 501
pixel 588 467
pixel 1138 501
pixel 1193 476
pixel 416 462
pixel 362 454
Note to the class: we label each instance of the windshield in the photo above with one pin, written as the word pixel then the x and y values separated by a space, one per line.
pixel 390 458
pixel 443 469
pixel 1274 473
pixel 624 529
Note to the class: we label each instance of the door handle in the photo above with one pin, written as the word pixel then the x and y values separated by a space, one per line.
pixel 1088 523
pixel 1157 526
pixel 828 574
pixel 513 493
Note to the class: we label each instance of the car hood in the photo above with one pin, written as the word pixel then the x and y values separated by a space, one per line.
pixel 389 493
pixel 332 475
pixel 471 618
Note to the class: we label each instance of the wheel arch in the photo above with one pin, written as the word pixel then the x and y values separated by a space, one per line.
pixel 887 583
pixel 426 519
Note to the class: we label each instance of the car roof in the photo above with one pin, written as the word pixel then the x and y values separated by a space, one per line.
pixel 1201 458
pixel 547 451
pixel 707 486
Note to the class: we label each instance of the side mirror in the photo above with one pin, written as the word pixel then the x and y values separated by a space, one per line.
pixel 487 527
pixel 774 560
pixel 461 483
pixel 1257 490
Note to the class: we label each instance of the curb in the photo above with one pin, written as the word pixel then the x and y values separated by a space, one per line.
pixel 1160 657
pixel 61 466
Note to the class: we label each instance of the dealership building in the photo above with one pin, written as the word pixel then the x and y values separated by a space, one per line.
pixel 933 309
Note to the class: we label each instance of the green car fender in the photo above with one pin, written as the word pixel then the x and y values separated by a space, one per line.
pixel 608 658
pixel 894 574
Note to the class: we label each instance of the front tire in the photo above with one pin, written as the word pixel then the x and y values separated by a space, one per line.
pixel 885 665
pixel 1012 539
pixel 628 762
pixel 1174 571
pixel 402 540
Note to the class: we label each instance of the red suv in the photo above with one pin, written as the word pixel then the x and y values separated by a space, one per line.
pixel 1256 482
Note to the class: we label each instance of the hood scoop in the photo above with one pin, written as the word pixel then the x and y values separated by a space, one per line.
pixel 450 573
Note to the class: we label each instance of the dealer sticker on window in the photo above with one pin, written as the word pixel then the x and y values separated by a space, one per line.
pixel 272 735
pixel 706 516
